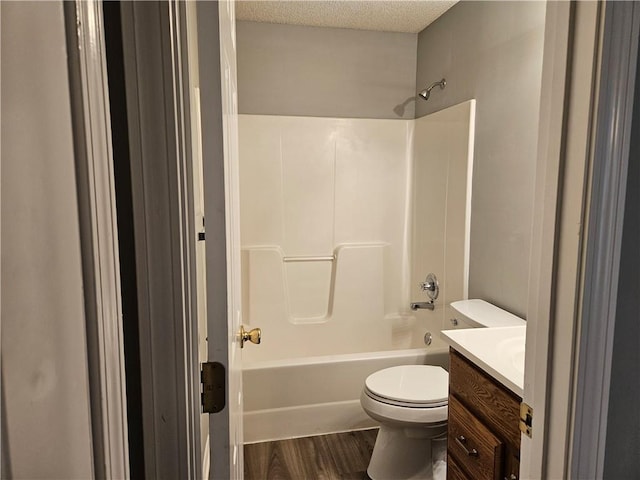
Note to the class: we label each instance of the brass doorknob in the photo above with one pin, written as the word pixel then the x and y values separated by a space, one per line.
pixel 254 335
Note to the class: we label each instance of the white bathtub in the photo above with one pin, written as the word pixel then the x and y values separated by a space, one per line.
pixel 317 395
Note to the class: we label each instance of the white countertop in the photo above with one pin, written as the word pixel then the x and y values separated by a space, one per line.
pixel 499 351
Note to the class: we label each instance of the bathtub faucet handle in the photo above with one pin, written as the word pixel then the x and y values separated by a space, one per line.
pixel 430 286
pixel 427 286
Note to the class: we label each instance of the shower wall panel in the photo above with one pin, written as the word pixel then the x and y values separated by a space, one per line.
pixel 324 212
pixel 340 221
pixel 442 171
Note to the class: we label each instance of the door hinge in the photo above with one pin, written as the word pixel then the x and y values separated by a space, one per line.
pixel 526 419
pixel 201 234
pixel 213 379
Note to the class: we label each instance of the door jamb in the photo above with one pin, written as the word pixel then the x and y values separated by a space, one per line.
pixel 558 21
pixel 158 105
pixel 99 237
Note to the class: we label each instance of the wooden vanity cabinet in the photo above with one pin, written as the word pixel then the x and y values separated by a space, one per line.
pixel 483 433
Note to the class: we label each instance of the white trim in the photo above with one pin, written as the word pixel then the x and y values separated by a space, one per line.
pixel 100 247
pixel 467 213
pixel 543 245
pixel 570 232
pixel 568 103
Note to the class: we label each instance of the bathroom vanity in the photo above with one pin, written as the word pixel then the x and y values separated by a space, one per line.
pixel 483 434
pixel 486 380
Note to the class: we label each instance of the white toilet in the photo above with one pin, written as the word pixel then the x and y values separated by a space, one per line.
pixel 410 402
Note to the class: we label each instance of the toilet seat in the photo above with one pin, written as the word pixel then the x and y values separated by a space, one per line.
pixel 399 403
pixel 412 386
pixel 398 415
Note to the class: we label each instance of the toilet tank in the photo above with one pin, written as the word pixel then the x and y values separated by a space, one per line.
pixel 478 313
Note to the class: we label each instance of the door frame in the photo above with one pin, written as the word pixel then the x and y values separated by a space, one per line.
pixel 612 140
pixel 99 236
pixel 578 225
pixel 158 115
pixel 170 380
pixel 567 107
pixel 558 264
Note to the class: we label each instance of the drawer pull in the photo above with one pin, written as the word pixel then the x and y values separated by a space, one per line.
pixel 461 440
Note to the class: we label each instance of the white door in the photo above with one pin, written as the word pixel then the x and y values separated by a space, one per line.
pixel 219 127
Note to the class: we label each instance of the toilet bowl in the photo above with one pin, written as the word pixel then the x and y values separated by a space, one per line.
pixel 410 403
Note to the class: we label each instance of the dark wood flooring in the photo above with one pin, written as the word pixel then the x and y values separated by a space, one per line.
pixel 338 456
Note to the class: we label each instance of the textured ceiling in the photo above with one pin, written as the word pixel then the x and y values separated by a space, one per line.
pixel 382 15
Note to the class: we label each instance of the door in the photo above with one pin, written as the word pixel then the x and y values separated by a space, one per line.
pixel 219 127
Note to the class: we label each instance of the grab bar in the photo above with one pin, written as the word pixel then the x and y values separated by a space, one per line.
pixel 302 258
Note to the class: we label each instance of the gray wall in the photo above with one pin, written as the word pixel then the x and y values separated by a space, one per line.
pixel 492 51
pixel 329 72
pixel 46 429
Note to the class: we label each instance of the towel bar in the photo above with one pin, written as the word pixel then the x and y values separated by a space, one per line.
pixel 302 258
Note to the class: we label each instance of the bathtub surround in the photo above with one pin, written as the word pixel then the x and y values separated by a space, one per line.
pixel 332 189
pixel 492 51
pixel 340 217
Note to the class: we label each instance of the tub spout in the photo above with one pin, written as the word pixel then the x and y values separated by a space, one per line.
pixel 417 305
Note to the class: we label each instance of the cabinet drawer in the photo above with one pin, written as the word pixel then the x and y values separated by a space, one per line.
pixel 454 472
pixel 472 445
pixel 493 404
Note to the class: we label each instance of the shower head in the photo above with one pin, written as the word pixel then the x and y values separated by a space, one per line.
pixel 427 91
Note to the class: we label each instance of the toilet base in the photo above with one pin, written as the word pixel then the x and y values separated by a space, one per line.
pixel 403 453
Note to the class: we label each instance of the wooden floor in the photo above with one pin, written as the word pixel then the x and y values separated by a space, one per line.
pixel 325 457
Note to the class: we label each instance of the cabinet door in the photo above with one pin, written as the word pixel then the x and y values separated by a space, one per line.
pixel 472 445
pixel 454 472
pixel 511 467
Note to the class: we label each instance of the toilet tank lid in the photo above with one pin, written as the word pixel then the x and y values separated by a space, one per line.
pixel 483 314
